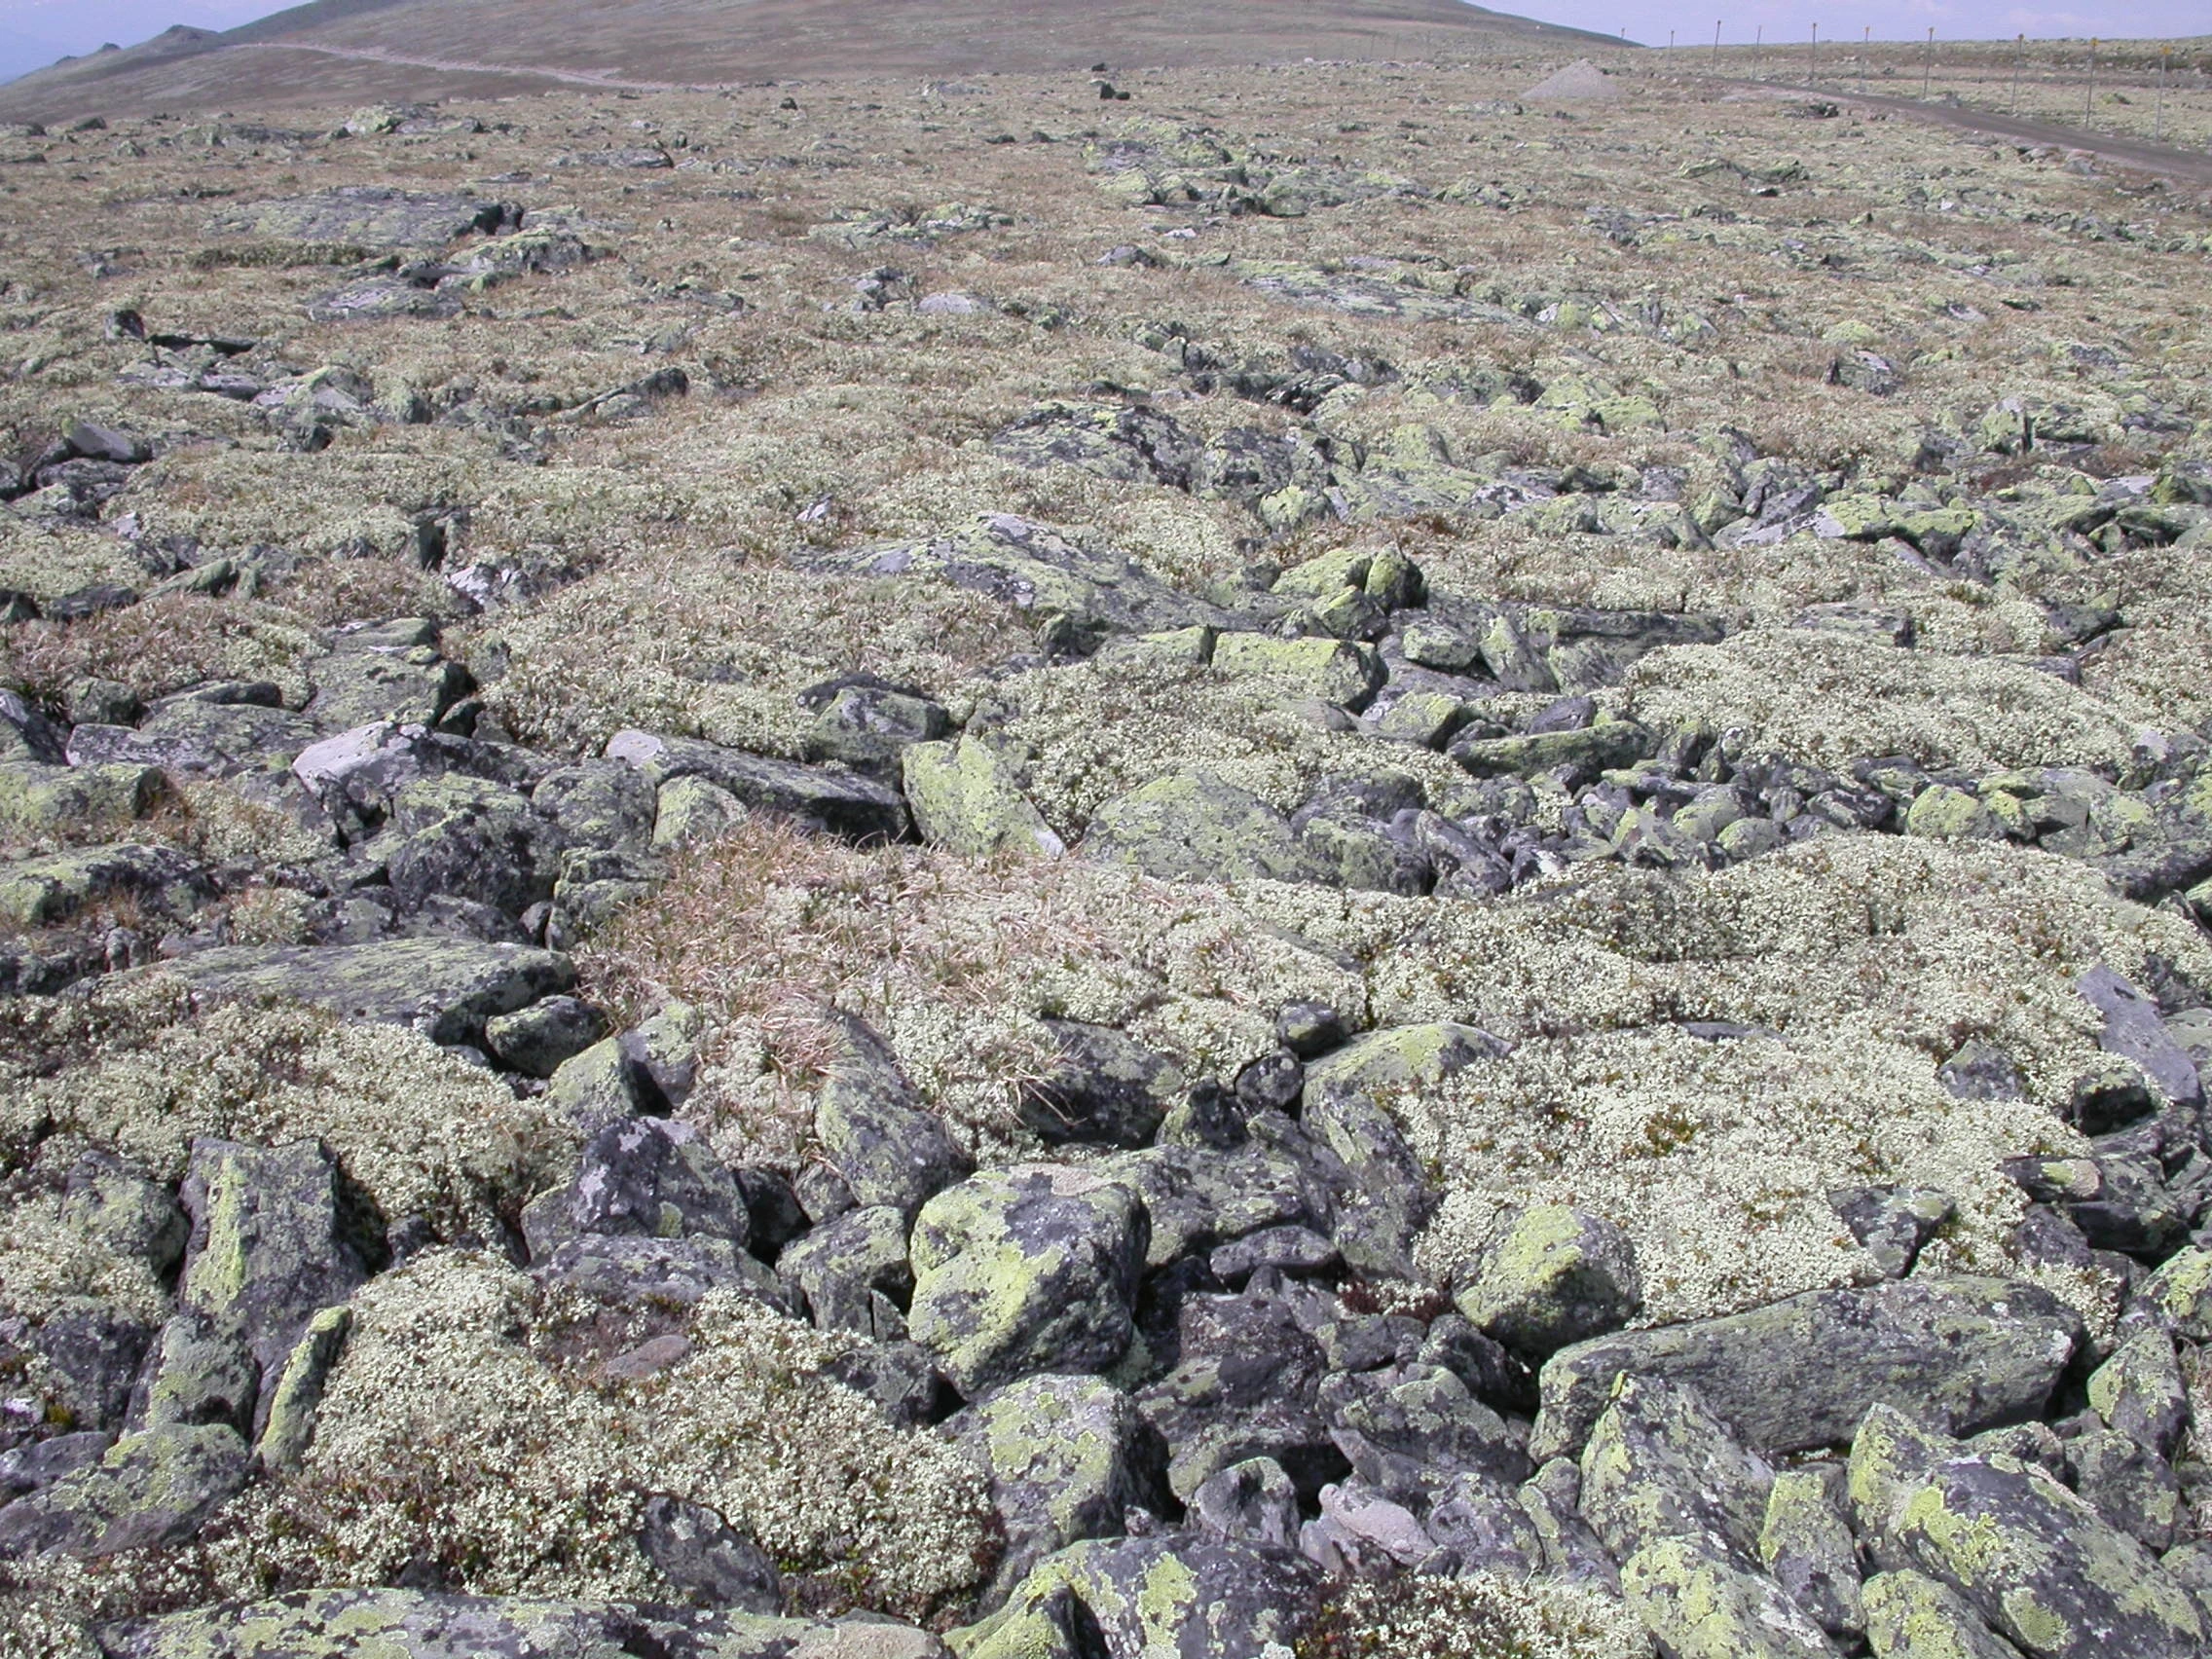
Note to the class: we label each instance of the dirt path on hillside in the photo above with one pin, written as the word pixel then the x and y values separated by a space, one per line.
pixel 2190 164
pixel 459 66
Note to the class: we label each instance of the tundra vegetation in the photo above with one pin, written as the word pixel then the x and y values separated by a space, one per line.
pixel 1323 864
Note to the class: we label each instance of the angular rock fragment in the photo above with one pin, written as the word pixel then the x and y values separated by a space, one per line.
pixel 1027 1269
pixel 1961 1352
pixel 871 1123
pixel 444 988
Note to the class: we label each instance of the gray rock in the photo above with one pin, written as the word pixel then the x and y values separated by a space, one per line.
pixel 1130 442
pixel 1806 1545
pixel 444 988
pixel 1028 1268
pixel 1701 1601
pixel 147 1489
pixel 630 1270
pixel 869 725
pixel 1066 1457
pixel 417 1624
pixel 198 1371
pixel 1193 826
pixel 1421 1425
pixel 274 1240
pixel 711 1562
pixel 471 839
pixel 2133 1031
pixel 1243 1387
pixel 872 1127
pixel 828 797
pixel 2139 1391
pixel 1481 1522
pixel 1551 1276
pixel 1892 1223
pixel 850 1268
pixel 42 1463
pixel 1961 1352
pixel 2035 1561
pixel 538 1040
pixel 1294 1250
pixel 1551 1498
pixel 26 734
pixel 295 1394
pixel 898 1379
pixel 1910 1615
pixel 1034 568
pixel 1660 1465
pixel 367 215
pixel 104 1198
pixel 2129 1485
pixel 1105 1088
pixel 651 1177
pixel 1173 1597
pixel 1981 1071
pixel 1198 1197
pixel 598 803
pixel 1252 1502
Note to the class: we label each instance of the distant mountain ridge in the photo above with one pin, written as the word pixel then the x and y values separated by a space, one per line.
pixel 331 50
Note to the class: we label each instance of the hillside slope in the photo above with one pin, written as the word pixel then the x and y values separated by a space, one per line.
pixel 412 49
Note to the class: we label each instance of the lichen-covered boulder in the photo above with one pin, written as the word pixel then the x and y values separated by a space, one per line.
pixel 418 1624
pixel 197 1371
pixel 1806 1545
pixel 150 1488
pixel 1028 1268
pixel 1700 1602
pixel 40 891
pixel 1599 747
pixel 694 811
pixel 2182 1291
pixel 1175 1597
pixel 597 803
pixel 649 1176
pixel 1910 1615
pixel 538 1040
pixel 853 1271
pixel 1660 1465
pixel 2038 1564
pixel 473 839
pixel 1963 1352
pixel 297 1389
pixel 367 215
pixel 1331 671
pixel 272 1241
pixel 871 1124
pixel 966 796
pixel 1034 568
pixel 1131 442
pixel 1551 1276
pixel 1193 826
pixel 1067 1458
pixel 830 798
pixel 1104 1088
pixel 445 988
pixel 699 1552
pixel 2140 1391
pixel 41 799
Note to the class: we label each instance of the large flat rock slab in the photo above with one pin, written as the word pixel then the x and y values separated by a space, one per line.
pixel 444 988
pixel 1957 1355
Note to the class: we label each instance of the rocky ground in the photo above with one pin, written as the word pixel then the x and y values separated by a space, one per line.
pixel 1308 865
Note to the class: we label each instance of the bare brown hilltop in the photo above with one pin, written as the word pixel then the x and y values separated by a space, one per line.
pixel 332 50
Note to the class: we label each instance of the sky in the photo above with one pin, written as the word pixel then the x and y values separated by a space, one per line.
pixel 34 32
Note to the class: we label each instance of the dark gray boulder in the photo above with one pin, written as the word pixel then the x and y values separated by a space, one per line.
pixel 1964 1353
pixel 873 1126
